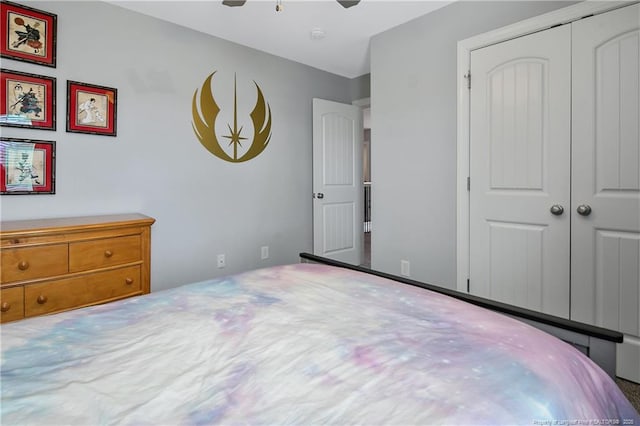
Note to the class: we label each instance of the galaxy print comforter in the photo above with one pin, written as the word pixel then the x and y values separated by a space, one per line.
pixel 300 344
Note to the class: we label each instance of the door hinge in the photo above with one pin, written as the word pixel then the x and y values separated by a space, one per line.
pixel 468 183
pixel 468 77
pixel 468 289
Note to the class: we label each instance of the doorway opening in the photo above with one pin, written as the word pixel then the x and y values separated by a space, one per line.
pixel 366 172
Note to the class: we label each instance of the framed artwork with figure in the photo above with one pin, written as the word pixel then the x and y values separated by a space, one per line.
pixel 28 34
pixel 27 166
pixel 27 100
pixel 91 109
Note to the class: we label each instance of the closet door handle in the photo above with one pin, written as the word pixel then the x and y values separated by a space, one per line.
pixel 556 209
pixel 584 210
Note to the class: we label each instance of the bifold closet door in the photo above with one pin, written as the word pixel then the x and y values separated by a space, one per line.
pixel 605 211
pixel 520 171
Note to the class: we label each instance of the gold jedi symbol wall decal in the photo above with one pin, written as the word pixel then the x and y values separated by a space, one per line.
pixel 205 111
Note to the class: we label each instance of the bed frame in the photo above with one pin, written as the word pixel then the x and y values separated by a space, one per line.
pixel 597 343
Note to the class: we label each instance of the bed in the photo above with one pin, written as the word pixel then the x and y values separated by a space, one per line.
pixel 297 344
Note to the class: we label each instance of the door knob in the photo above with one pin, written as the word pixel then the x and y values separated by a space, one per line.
pixel 584 210
pixel 556 209
pixel 320 195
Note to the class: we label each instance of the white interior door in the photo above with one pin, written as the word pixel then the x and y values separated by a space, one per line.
pixel 605 250
pixel 337 181
pixel 519 168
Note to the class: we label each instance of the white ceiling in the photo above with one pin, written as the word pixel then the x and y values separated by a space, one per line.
pixel 344 50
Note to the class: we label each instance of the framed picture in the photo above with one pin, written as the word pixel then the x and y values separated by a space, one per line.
pixel 91 109
pixel 27 100
pixel 29 34
pixel 27 166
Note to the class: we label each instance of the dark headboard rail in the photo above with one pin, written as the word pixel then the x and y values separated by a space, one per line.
pixel 577 327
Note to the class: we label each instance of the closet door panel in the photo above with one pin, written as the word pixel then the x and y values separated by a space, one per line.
pixel 605 161
pixel 605 245
pixel 520 156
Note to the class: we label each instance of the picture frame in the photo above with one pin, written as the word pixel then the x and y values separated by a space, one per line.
pixel 27 100
pixel 91 109
pixel 27 166
pixel 29 34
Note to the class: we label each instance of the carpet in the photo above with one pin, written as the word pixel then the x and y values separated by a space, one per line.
pixel 631 391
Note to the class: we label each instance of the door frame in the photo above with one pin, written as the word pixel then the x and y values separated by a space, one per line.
pixel 538 23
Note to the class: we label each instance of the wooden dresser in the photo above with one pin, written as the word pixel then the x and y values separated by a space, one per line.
pixel 53 265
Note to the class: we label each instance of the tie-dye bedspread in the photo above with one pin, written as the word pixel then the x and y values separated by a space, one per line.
pixel 299 344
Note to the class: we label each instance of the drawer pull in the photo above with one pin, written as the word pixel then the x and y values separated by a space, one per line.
pixel 5 306
pixel 128 281
pixel 23 266
pixel 108 253
pixel 42 299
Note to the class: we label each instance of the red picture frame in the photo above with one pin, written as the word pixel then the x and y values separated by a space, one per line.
pixel 91 109
pixel 28 35
pixel 27 100
pixel 27 166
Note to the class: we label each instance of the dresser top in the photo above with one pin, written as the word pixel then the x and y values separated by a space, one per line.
pixel 38 226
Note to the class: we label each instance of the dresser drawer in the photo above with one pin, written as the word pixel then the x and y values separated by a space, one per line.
pixel 11 304
pixel 32 240
pixel 33 262
pixel 60 295
pixel 86 255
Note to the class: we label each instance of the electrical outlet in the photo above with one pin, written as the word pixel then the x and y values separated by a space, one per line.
pixel 264 252
pixel 404 268
pixel 221 261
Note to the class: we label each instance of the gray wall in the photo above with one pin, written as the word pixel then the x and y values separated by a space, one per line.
pixel 360 87
pixel 413 141
pixel 156 166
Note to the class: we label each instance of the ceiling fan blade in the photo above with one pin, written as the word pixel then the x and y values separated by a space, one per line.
pixel 234 3
pixel 348 3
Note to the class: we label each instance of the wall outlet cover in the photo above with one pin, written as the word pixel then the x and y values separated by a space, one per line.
pixel 405 270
